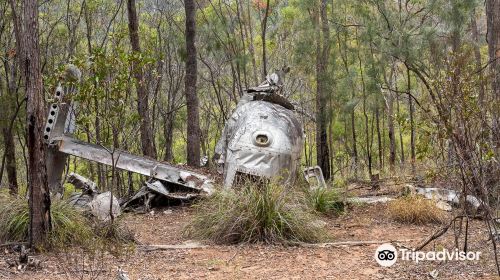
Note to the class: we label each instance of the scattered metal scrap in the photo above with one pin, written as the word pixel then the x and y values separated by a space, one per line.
pixel 370 199
pixel 58 136
pixel 157 193
pixel 314 176
pixel 445 198
pixel 99 204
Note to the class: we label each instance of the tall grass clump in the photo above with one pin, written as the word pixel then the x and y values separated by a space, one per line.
pixel 14 219
pixel 325 200
pixel 267 213
pixel 69 225
pixel 414 209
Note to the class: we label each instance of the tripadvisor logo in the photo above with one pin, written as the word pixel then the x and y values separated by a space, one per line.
pixel 386 255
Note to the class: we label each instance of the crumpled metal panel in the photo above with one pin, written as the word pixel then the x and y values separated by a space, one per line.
pixel 263 139
pixel 100 205
pixel 314 176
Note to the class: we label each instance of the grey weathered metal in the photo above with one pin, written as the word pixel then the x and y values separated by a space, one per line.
pixel 314 176
pixel 61 124
pixel 263 137
pixel 137 164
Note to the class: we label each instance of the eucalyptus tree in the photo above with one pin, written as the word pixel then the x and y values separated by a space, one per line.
pixel 39 195
pixel 323 45
pixel 9 95
pixel 493 38
pixel 192 103
pixel 147 137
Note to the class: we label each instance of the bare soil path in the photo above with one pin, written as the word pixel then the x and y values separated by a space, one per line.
pixel 361 222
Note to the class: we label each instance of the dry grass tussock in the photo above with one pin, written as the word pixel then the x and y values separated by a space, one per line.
pixel 415 210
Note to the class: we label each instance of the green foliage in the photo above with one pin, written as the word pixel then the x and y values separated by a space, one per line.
pixel 14 219
pixel 326 201
pixel 268 213
pixel 70 227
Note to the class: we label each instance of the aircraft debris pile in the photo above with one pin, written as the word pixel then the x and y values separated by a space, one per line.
pixel 98 204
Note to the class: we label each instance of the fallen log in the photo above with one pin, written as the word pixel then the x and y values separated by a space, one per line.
pixel 13 244
pixel 349 243
pixel 150 248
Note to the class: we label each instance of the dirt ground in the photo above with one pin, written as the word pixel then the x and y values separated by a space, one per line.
pixel 359 223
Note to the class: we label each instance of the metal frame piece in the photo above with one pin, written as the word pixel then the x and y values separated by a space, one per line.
pixel 137 164
pixel 314 176
pixel 61 124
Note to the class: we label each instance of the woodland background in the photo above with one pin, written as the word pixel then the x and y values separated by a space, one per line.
pixel 395 87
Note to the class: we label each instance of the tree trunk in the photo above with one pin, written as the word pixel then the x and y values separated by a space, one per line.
pixel 251 48
pixel 8 117
pixel 10 160
pixel 263 29
pixel 412 123
pixel 379 139
pixel 390 127
pixel 330 136
pixel 390 121
pixel 354 142
pixel 193 121
pixel 168 131
pixel 101 182
pixel 244 36
pixel 367 131
pixel 147 138
pixel 493 38
pixel 477 56
pixel 353 95
pixel 322 55
pixel 39 196
pixel 400 130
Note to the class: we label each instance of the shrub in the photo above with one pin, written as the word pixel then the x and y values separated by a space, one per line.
pixel 14 219
pixel 267 213
pixel 325 200
pixel 415 210
pixel 69 225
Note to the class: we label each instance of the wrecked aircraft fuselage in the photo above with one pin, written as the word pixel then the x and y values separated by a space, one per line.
pixel 174 181
pixel 263 138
